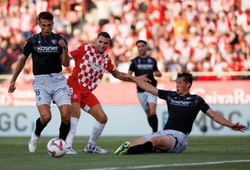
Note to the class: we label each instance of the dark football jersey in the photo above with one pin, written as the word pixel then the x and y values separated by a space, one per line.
pixel 45 53
pixel 142 66
pixel 182 110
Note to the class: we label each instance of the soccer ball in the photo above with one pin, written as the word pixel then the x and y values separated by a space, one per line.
pixel 56 147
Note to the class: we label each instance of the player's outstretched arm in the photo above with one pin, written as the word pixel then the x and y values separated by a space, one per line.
pixel 19 67
pixel 221 120
pixel 117 74
pixel 143 84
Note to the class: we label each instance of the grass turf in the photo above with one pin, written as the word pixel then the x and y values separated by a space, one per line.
pixel 211 150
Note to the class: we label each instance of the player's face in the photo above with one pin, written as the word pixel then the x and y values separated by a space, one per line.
pixel 102 44
pixel 142 49
pixel 182 87
pixel 46 27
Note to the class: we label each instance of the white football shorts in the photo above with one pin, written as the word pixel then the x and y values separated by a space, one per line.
pixel 179 139
pixel 49 87
pixel 145 98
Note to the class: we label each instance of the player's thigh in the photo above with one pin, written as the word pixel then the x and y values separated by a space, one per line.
pixel 138 141
pixel 45 113
pixel 142 96
pixel 98 113
pixel 61 95
pixel 164 143
pixel 41 94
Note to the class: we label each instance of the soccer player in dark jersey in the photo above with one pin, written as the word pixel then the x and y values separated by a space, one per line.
pixel 183 109
pixel 146 66
pixel 49 52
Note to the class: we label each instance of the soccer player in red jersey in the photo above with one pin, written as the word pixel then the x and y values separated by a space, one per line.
pixel 90 64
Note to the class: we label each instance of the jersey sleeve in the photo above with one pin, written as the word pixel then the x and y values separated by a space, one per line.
pixel 27 49
pixel 163 94
pixel 203 104
pixel 110 65
pixel 155 68
pixel 132 66
pixel 78 53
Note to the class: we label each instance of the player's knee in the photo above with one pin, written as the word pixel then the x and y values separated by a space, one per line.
pixel 103 119
pixel 45 119
pixel 152 112
pixel 66 119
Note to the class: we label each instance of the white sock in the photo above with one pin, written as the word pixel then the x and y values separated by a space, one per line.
pixel 72 131
pixel 96 133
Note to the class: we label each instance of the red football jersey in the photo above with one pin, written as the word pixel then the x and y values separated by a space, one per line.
pixel 90 66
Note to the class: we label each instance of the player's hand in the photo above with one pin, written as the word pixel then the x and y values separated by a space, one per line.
pixel 62 44
pixel 238 127
pixel 12 87
pixel 144 77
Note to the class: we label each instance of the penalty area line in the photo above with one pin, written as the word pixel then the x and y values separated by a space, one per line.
pixel 169 165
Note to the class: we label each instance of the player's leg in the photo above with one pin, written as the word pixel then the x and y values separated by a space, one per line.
pixel 162 143
pixel 61 96
pixel 127 145
pixel 142 96
pixel 41 123
pixel 75 115
pixel 43 101
pixel 65 111
pixel 101 120
pixel 75 91
pixel 152 103
pixel 152 116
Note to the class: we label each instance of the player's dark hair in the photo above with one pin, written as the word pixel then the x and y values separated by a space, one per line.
pixel 139 41
pixel 188 77
pixel 45 15
pixel 104 34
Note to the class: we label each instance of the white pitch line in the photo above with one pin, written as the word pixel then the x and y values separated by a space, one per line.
pixel 169 165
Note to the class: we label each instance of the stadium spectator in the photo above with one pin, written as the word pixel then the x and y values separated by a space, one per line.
pixel 111 27
pixel 27 22
pixel 103 11
pixel 142 17
pixel 91 30
pixel 182 106
pixel 3 58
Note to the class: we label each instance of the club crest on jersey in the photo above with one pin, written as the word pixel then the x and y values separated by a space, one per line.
pixel 149 60
pixel 54 42
pixel 103 60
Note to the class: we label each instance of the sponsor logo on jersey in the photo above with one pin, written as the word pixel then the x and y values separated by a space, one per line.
pixel 145 66
pixel 179 103
pixel 95 66
pixel 47 49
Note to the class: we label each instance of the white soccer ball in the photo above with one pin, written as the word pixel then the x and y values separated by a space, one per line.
pixel 56 147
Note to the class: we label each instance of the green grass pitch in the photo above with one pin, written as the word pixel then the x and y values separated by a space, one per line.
pixel 202 153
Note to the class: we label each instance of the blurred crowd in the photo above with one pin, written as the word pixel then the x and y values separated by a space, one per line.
pixel 197 35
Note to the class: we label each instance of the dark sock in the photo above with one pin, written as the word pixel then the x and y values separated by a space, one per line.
pixel 64 130
pixel 39 127
pixel 149 121
pixel 138 149
pixel 154 123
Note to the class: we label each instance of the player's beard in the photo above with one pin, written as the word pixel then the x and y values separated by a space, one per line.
pixel 142 53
